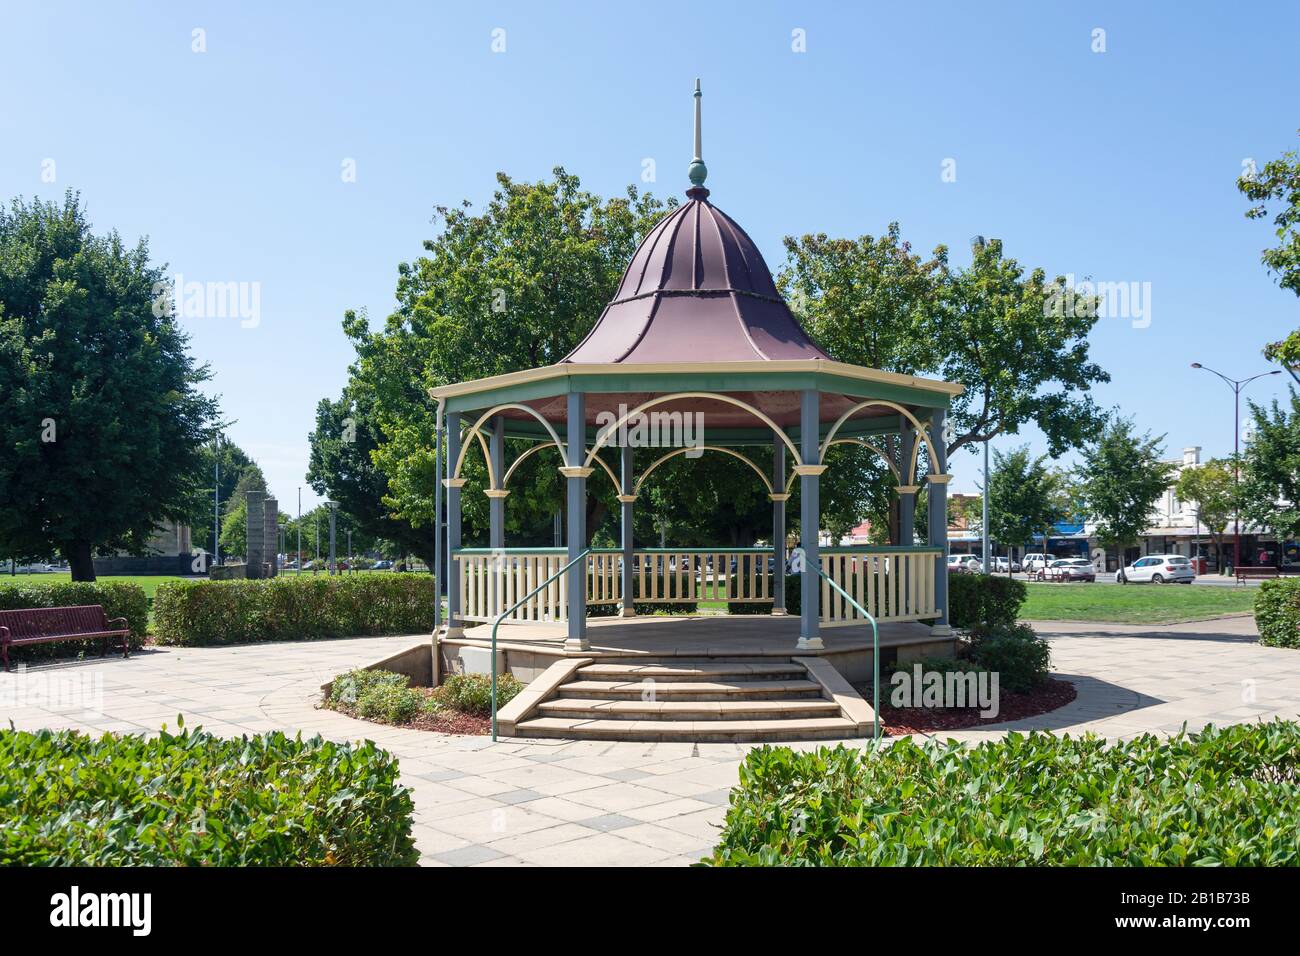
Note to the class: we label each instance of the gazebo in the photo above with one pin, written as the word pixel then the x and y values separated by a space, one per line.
pixel 698 344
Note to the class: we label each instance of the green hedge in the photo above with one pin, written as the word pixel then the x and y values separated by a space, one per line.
pixel 118 598
pixel 987 599
pixel 1226 796
pixel 290 608
pixel 1277 612
pixel 192 799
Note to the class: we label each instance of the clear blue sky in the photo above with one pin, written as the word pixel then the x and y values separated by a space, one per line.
pixel 1118 165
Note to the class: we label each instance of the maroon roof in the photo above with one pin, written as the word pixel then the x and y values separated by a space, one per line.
pixel 697 290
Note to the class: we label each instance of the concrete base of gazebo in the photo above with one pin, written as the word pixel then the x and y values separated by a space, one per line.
pixel 689 678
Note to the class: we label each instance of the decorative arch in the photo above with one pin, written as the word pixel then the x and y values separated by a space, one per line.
pixel 550 444
pixel 922 433
pixel 475 431
pixel 613 427
pixel 636 490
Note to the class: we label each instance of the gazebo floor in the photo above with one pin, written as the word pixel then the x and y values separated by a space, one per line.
pixel 688 677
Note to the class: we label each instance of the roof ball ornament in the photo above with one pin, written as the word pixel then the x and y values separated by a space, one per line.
pixel 697 171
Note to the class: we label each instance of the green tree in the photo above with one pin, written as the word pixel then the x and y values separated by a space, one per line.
pixel 1211 491
pixel 1122 479
pixel 1270 490
pixel 100 414
pixel 1024 498
pixel 1279 183
pixel 234 462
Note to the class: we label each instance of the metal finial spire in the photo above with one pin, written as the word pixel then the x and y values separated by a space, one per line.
pixel 697 172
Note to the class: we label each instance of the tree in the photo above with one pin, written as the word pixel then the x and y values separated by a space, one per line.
pixel 1024 498
pixel 234 463
pixel 1018 343
pixel 100 414
pixel 1279 181
pixel 1123 478
pixel 1270 490
pixel 1211 490
pixel 342 468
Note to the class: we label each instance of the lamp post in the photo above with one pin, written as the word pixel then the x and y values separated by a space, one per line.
pixel 1236 385
pixel 216 499
pixel 334 510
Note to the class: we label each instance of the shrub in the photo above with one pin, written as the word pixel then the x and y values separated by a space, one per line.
pixel 988 599
pixel 1226 796
pixel 1277 612
pixel 193 799
pixel 376 695
pixel 472 693
pixel 119 599
pixel 289 607
pixel 1021 659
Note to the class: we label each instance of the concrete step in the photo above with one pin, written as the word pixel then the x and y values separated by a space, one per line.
pixel 813 728
pixel 598 708
pixel 693 690
pixel 693 671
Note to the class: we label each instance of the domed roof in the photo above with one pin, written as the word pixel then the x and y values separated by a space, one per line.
pixel 696 290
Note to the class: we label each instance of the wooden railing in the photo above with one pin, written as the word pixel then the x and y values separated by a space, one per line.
pixel 893 584
pixel 491 581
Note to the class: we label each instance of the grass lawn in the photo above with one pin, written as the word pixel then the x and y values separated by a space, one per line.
pixel 1134 603
pixel 149 582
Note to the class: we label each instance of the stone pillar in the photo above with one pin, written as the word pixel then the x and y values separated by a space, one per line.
pixel 626 482
pixel 938 519
pixel 455 627
pixel 906 489
pixel 254 534
pixel 497 504
pixel 271 537
pixel 779 498
pixel 809 518
pixel 576 520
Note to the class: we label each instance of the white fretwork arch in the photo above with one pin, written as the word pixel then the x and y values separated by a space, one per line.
pixel 682 451
pixel 922 433
pixel 612 428
pixel 475 430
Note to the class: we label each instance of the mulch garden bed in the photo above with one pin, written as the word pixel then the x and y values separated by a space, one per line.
pixel 899 721
pixel 445 721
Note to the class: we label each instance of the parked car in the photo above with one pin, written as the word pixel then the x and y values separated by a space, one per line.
pixel 1158 568
pixel 1037 560
pixel 1068 569
pixel 383 565
pixel 1000 566
pixel 964 564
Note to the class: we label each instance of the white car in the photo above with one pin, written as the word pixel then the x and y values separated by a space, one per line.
pixel 964 562
pixel 1037 561
pixel 1158 569
pixel 1001 567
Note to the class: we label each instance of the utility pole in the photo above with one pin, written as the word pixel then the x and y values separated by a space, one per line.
pixel 216 499
pixel 984 523
pixel 1236 385
pixel 298 556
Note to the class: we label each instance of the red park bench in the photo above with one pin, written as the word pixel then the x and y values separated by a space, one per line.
pixel 1246 572
pixel 45 625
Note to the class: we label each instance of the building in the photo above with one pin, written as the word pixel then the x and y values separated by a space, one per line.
pixel 167 552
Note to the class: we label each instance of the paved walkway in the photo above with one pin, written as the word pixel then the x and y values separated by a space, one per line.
pixel 638 804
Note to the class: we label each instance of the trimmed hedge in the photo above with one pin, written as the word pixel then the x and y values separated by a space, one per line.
pixel 292 608
pixel 192 799
pixel 1277 612
pixel 984 599
pixel 119 599
pixel 1227 796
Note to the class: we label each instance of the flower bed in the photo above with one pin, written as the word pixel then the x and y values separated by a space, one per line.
pixel 462 705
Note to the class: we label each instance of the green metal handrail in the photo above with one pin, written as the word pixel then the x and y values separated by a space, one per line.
pixel 505 614
pixel 875 653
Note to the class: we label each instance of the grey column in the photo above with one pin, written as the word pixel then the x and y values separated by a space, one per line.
pixel 254 534
pixel 809 521
pixel 271 536
pixel 938 519
pixel 778 526
pixel 906 500
pixel 453 524
pixel 626 482
pixel 576 521
pixel 497 504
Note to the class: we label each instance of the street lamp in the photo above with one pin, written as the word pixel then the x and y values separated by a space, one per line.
pixel 1236 385
pixel 334 510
